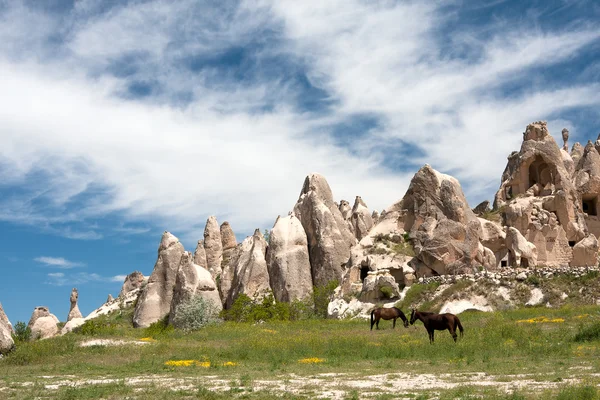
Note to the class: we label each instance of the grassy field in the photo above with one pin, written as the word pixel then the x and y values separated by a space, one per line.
pixel 520 354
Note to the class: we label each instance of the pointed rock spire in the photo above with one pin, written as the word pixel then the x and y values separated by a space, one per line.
pixel 74 310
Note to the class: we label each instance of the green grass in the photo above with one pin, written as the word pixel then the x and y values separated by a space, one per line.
pixel 502 344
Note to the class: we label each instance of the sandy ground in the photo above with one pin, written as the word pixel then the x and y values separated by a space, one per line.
pixel 330 386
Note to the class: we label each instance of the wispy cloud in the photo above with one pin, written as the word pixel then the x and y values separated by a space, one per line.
pixel 58 262
pixel 80 278
pixel 192 109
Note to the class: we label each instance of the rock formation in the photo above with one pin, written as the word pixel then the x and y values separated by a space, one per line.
pixel 482 208
pixel 43 324
pixel 193 280
pixel 345 209
pixel 444 230
pixel 74 310
pixel 228 240
pixel 200 255
pixel 251 276
pixel 6 341
pixel 230 246
pixel 154 302
pixel 133 281
pixel 110 298
pixel 538 197
pixel 328 234
pixel 288 260
pixel 213 246
pixel 361 219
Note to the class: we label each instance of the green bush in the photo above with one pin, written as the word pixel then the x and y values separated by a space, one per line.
pixel 322 296
pixel 158 328
pixel 417 294
pixel 194 314
pixel 96 327
pixel 22 332
pixel 588 332
pixel 387 291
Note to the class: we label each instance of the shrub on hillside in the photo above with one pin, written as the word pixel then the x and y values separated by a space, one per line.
pixel 322 296
pixel 22 332
pixel 194 314
pixel 588 332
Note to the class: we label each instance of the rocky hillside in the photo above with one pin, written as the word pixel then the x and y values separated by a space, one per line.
pixel 544 218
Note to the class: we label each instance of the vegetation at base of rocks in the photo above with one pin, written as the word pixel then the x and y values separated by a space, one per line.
pixel 22 332
pixel 417 295
pixel 322 296
pixel 109 324
pixel 494 215
pixel 194 314
pixel 387 291
pixel 587 333
pixel 159 328
pixel 392 244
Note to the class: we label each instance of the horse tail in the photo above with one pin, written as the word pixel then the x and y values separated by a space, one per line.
pixel 372 318
pixel 457 324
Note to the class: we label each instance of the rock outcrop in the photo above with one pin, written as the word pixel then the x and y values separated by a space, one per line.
pixel 74 310
pixel 228 240
pixel 6 341
pixel 193 280
pixel 288 260
pixel 133 281
pixel 251 276
pixel 361 219
pixel 444 230
pixel 43 324
pixel 328 234
pixel 200 255
pixel 155 301
pixel 213 246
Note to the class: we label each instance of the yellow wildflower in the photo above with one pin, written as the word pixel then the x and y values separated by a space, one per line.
pixel 187 363
pixel 229 364
pixel 148 339
pixel 313 360
pixel 269 331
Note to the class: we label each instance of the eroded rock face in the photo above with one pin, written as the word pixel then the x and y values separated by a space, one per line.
pixel 6 341
pixel 328 234
pixel 251 276
pixel 155 301
pixel 520 248
pixel 43 324
pixel 288 260
pixel 361 219
pixel 133 281
pixel 213 246
pixel 200 255
pixel 444 230
pixel 74 310
pixel 585 252
pixel 228 240
pixel 193 280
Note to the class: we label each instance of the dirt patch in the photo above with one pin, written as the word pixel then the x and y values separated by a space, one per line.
pixel 110 342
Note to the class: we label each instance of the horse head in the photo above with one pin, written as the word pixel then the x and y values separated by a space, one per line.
pixel 413 317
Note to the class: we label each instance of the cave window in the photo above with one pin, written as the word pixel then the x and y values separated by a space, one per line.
pixel 589 207
pixel 572 243
pixel 504 263
pixel 364 271
pixel 539 172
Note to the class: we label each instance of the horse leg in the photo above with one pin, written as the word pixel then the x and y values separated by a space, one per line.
pixel 394 324
pixel 377 323
pixel 430 335
pixel 453 333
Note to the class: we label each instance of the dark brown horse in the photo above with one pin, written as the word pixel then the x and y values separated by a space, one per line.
pixel 387 313
pixel 437 322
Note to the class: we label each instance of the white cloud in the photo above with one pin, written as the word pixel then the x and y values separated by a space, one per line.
pixel 80 278
pixel 118 278
pixel 58 262
pixel 241 149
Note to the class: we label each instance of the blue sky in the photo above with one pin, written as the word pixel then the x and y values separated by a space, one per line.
pixel 120 120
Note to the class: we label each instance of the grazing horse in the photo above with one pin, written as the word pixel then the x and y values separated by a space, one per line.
pixel 439 322
pixel 387 313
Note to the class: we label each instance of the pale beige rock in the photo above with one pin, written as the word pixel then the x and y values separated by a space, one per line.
pixel 133 281
pixel 361 219
pixel 345 209
pixel 228 272
pixel 155 301
pixel 200 255
pixel 585 252
pixel 576 152
pixel 482 208
pixel 43 324
pixel 587 182
pixel 379 286
pixel 251 276
pixel 375 216
pixel 520 248
pixel 71 325
pixel 74 310
pixel 193 280
pixel 110 298
pixel 6 341
pixel 228 240
pixel 444 230
pixel 565 136
pixel 288 260
pixel 213 246
pixel 328 234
